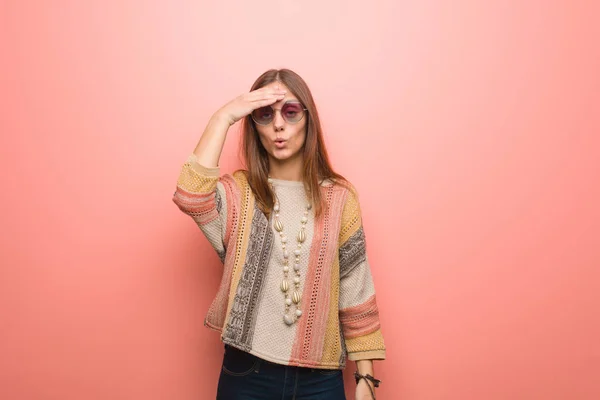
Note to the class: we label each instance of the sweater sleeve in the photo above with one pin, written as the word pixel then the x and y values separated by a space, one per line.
pixel 201 194
pixel 359 315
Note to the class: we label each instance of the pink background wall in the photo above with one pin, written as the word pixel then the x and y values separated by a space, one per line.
pixel 470 130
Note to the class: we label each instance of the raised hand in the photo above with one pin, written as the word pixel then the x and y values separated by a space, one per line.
pixel 244 104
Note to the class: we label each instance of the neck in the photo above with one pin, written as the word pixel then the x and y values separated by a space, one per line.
pixel 289 170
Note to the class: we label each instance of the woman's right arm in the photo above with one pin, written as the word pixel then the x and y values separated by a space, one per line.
pixel 202 193
pixel 210 145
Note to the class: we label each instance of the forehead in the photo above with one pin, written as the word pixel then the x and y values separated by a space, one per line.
pixel 288 96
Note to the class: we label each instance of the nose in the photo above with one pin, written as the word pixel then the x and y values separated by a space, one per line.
pixel 278 121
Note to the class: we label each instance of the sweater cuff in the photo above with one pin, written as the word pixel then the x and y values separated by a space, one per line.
pixel 211 172
pixel 367 355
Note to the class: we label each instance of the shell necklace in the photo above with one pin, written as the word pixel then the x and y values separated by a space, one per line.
pixel 289 318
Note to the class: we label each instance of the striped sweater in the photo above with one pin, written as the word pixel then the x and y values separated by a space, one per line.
pixel 339 317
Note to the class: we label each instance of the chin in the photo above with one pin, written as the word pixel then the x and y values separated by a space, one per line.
pixel 280 157
pixel 283 157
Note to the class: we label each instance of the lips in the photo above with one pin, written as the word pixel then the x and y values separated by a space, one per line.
pixel 280 143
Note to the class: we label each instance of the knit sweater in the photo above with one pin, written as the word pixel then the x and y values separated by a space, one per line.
pixel 340 318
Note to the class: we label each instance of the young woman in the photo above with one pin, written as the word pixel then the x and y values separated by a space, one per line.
pixel 296 298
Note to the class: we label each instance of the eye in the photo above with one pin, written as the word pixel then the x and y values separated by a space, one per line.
pixel 292 109
pixel 265 112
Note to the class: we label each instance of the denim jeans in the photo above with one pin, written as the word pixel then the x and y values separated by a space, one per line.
pixel 247 377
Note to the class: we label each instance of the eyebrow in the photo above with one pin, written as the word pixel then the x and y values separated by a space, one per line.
pixel 289 101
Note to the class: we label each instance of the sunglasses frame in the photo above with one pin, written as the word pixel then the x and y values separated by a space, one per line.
pixel 274 110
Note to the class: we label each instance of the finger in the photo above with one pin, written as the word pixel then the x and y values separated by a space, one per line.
pixel 269 99
pixel 264 102
pixel 265 91
pixel 267 96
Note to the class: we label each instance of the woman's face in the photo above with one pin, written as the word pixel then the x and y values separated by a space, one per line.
pixel 283 140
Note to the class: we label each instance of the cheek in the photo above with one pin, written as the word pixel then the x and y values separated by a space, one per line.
pixel 301 137
pixel 262 137
pixel 300 133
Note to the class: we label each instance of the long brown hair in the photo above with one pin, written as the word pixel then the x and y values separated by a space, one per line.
pixel 316 161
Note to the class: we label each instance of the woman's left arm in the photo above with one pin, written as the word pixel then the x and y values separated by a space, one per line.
pixel 359 314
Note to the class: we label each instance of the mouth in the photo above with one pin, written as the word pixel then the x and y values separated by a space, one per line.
pixel 280 143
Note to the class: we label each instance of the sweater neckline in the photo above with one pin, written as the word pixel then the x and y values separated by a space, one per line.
pixel 285 182
pixel 289 183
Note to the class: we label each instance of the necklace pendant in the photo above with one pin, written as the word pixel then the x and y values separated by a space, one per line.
pixel 278 225
pixel 288 319
pixel 284 286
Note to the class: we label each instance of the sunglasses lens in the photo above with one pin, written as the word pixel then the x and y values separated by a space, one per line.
pixel 292 112
pixel 263 116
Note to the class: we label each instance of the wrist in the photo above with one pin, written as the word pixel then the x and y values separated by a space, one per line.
pixel 368 378
pixel 219 118
pixel 364 382
pixel 370 381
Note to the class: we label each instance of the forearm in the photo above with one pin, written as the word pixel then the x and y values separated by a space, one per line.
pixel 365 367
pixel 209 148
